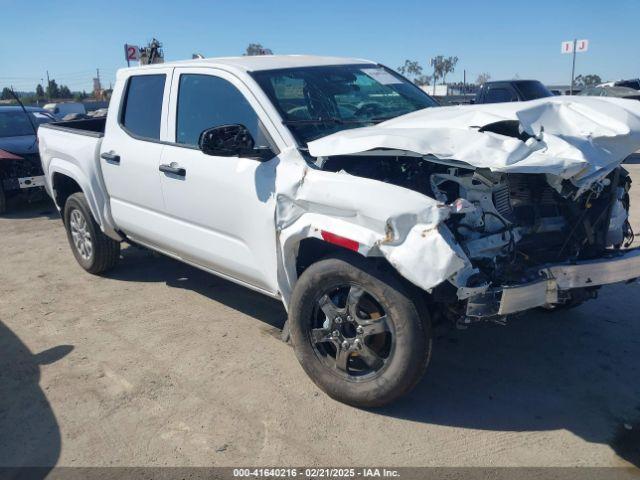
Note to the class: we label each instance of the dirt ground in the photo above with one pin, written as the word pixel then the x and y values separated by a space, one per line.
pixel 157 363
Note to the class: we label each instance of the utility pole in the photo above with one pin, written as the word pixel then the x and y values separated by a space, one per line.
pixel 464 82
pixel 98 77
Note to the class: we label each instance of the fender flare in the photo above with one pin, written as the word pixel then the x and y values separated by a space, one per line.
pixel 98 204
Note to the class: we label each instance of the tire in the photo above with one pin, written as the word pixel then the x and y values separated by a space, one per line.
pixel 373 301
pixel 94 251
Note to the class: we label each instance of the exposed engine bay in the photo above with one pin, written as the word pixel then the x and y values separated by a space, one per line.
pixel 510 223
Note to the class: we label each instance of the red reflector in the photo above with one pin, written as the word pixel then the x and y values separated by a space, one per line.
pixel 341 241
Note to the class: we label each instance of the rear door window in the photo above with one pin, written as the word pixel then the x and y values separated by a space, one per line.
pixel 142 107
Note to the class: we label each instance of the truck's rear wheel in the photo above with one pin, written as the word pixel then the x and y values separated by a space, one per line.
pixel 94 251
pixel 357 332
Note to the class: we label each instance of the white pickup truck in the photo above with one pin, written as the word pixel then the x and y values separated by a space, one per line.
pixel 339 187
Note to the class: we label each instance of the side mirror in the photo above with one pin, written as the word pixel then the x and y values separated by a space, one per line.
pixel 226 141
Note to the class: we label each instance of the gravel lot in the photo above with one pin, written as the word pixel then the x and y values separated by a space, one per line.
pixel 157 363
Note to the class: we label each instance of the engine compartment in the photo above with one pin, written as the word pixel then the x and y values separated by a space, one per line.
pixel 509 223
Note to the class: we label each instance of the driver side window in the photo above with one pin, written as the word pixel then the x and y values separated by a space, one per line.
pixel 205 101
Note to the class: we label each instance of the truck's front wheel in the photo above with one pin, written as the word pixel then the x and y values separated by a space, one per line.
pixel 357 332
pixel 94 251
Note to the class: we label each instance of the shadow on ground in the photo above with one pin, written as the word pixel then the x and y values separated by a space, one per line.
pixel 141 265
pixel 29 432
pixel 576 370
pixel 19 209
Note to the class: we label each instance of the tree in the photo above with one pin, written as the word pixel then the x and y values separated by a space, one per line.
pixel 257 49
pixel 587 80
pixel 437 63
pixel 422 80
pixel 52 89
pixel 442 66
pixel 484 77
pixel 39 91
pixel 6 94
pixel 65 92
pixel 79 96
pixel 411 68
pixel 448 66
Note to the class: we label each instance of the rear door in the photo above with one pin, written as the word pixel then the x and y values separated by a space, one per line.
pixel 221 209
pixel 130 155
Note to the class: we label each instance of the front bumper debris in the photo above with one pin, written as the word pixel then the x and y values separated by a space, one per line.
pixel 505 300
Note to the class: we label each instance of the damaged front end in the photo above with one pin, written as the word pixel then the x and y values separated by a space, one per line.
pixel 514 229
pixel 524 237
pixel 537 204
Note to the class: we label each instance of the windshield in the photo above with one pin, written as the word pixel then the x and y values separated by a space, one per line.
pixel 317 101
pixel 532 89
pixel 14 123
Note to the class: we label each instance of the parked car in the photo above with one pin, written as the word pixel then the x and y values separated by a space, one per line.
pixel 633 83
pixel 618 92
pixel 511 91
pixel 100 112
pixel 60 110
pixel 332 185
pixel 564 90
pixel 20 166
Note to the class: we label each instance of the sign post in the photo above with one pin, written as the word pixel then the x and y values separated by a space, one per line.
pixel 131 52
pixel 575 46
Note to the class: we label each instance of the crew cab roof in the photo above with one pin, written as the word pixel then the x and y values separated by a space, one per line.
pixel 257 62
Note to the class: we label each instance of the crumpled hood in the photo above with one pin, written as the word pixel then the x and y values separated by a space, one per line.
pixel 576 138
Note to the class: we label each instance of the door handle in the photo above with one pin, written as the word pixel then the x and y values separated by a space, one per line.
pixel 173 168
pixel 111 157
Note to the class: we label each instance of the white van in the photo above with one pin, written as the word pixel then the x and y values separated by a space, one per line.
pixel 59 110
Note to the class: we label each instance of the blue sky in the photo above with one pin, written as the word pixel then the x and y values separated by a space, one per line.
pixel 504 38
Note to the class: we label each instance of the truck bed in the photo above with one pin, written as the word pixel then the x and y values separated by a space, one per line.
pixel 93 127
pixel 72 149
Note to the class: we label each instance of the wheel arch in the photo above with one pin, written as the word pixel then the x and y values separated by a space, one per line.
pixel 67 179
pixel 312 239
pixel 63 186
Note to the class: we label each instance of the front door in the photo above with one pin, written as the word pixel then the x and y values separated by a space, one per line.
pixel 221 208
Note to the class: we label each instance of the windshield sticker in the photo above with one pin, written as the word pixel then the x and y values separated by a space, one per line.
pixel 381 76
